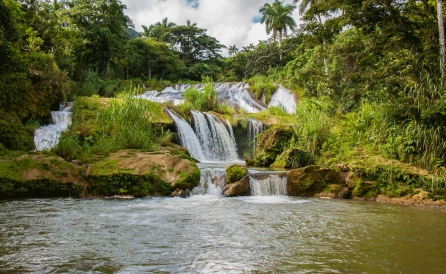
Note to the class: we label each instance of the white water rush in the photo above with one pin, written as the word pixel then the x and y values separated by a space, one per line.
pixel 47 137
pixel 268 185
pixel 285 99
pixel 235 95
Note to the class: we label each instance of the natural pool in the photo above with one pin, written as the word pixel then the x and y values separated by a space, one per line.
pixel 211 234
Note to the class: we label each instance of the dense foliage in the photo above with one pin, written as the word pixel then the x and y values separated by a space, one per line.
pixel 367 72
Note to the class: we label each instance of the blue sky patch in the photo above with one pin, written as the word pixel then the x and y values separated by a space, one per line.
pixel 193 3
pixel 257 18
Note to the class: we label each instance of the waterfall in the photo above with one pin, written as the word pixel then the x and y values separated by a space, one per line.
pixel 285 99
pixel 255 127
pixel 188 139
pixel 235 95
pixel 47 137
pixel 212 181
pixel 212 140
pixel 268 185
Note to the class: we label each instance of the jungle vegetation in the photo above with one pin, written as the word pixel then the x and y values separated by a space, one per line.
pixel 369 74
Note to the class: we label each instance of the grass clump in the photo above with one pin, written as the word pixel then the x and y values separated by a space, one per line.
pixel 203 100
pixel 104 127
pixel 260 84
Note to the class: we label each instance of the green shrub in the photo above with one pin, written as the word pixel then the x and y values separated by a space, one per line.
pixel 260 84
pixel 203 100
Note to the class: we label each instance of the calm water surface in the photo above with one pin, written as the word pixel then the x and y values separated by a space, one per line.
pixel 209 234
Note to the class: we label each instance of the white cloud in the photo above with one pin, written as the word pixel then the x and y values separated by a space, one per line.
pixel 229 21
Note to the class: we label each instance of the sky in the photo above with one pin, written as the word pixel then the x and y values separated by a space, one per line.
pixel 232 22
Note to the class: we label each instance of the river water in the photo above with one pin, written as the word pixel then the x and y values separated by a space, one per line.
pixel 211 234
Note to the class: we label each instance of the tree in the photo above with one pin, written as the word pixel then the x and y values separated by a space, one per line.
pixel 159 30
pixel 103 25
pixel 232 50
pixel 305 5
pixel 441 35
pixel 277 18
pixel 155 59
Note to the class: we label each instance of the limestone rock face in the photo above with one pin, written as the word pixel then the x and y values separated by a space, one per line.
pixel 272 143
pixel 315 181
pixel 240 188
pixel 171 165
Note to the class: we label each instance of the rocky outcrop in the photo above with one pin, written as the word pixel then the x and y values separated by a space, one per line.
pixel 40 175
pixel 127 172
pixel 240 188
pixel 142 173
pixel 272 143
pixel 316 181
pixel 292 158
pixel 236 173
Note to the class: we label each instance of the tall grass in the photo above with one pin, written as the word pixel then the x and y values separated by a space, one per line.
pixel 203 100
pixel 126 123
pixel 262 85
pixel 313 123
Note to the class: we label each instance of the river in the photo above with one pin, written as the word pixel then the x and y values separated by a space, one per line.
pixel 212 234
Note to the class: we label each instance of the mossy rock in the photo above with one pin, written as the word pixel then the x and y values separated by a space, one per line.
pixel 293 158
pixel 169 168
pixel 272 143
pixel 239 188
pixel 40 175
pixel 311 180
pixel 38 188
pixel 236 172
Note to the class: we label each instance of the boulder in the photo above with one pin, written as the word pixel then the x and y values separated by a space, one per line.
pixel 240 188
pixel 181 193
pixel 272 143
pixel 236 173
pixel 312 180
pixel 292 158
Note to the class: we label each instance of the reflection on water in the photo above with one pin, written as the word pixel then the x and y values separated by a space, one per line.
pixel 208 234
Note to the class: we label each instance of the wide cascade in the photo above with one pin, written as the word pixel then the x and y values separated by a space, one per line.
pixel 47 137
pixel 235 95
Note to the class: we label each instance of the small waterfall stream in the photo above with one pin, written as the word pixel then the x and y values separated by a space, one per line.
pixel 268 185
pixel 255 127
pixel 47 137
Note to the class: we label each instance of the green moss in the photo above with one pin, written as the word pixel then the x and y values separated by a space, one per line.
pixel 188 180
pixel 272 143
pixel 293 158
pixel 122 183
pixel 37 188
pixel 236 173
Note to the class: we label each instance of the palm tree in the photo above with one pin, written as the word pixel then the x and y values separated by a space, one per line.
pixel 232 50
pixel 277 19
pixel 305 5
pixel 441 35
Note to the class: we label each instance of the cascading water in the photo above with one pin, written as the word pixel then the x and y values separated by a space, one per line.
pixel 212 180
pixel 188 138
pixel 285 99
pixel 235 95
pixel 211 141
pixel 268 185
pixel 255 127
pixel 47 137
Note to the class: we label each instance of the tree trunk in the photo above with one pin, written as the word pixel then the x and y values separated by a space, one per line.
pixel 280 44
pixel 441 35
